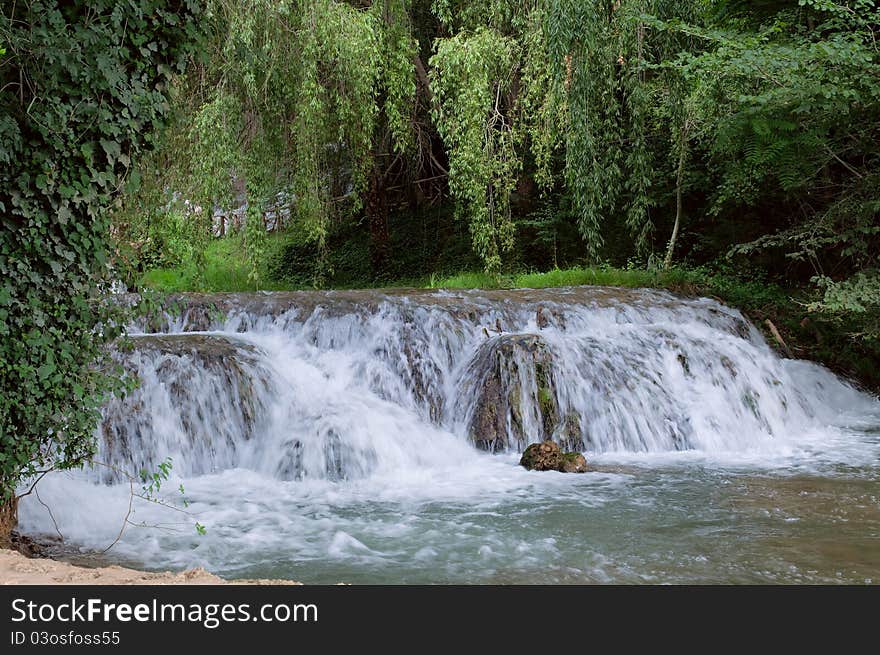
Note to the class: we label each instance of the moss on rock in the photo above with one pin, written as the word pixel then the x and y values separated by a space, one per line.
pixel 547 456
pixel 504 370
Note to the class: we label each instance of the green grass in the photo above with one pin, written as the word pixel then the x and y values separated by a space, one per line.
pixel 605 276
pixel 462 281
pixel 226 269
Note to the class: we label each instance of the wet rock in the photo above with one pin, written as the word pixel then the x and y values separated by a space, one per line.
pixel 206 311
pixel 685 364
pixel 205 348
pixel 30 546
pixel 551 316
pixel 573 463
pixel 512 379
pixel 547 456
pixel 570 435
pixel 729 365
pixel 196 394
pixel 544 456
pixel 332 452
pixel 731 321
pixel 420 373
pixel 541 318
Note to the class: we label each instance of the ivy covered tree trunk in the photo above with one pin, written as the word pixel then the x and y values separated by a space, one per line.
pixel 82 97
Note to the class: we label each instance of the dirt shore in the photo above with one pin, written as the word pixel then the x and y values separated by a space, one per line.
pixel 15 568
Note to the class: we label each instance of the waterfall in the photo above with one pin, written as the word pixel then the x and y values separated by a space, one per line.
pixel 338 385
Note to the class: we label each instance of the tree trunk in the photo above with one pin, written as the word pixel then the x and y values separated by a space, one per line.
pixel 679 181
pixel 8 521
pixel 422 76
pixel 377 215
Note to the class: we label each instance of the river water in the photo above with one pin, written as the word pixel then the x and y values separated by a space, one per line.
pixel 374 437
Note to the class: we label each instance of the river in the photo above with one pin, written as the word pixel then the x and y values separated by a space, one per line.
pixel 374 437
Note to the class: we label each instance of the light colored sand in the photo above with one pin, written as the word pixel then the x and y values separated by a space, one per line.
pixel 15 568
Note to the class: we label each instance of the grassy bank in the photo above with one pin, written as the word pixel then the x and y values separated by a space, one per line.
pixel 225 268
pixel 605 276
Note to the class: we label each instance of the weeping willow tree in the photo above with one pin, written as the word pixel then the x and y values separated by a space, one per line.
pixel 549 76
pixel 490 78
pixel 473 76
pixel 396 135
pixel 607 68
pixel 328 106
pixel 285 102
pixel 596 49
pixel 298 80
pixel 566 85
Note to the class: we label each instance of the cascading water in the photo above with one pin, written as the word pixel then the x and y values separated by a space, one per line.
pixel 345 436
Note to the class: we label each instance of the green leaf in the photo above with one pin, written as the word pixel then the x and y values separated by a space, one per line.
pixel 45 370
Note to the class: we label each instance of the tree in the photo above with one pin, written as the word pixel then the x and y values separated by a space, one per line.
pixel 84 85
pixel 313 100
pixel 793 95
pixel 473 77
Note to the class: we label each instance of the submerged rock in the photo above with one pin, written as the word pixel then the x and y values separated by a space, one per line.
pixel 547 456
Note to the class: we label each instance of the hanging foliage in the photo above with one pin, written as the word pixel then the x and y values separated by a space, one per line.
pixel 285 100
pixel 596 51
pixel 472 77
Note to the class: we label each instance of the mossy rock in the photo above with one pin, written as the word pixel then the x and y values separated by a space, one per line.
pixel 547 456
pixel 499 419
pixel 544 456
pixel 573 463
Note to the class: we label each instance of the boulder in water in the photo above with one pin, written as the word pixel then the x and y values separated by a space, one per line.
pixel 515 392
pixel 547 456
pixel 544 456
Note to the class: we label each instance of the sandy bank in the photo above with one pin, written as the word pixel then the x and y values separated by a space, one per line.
pixel 15 568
